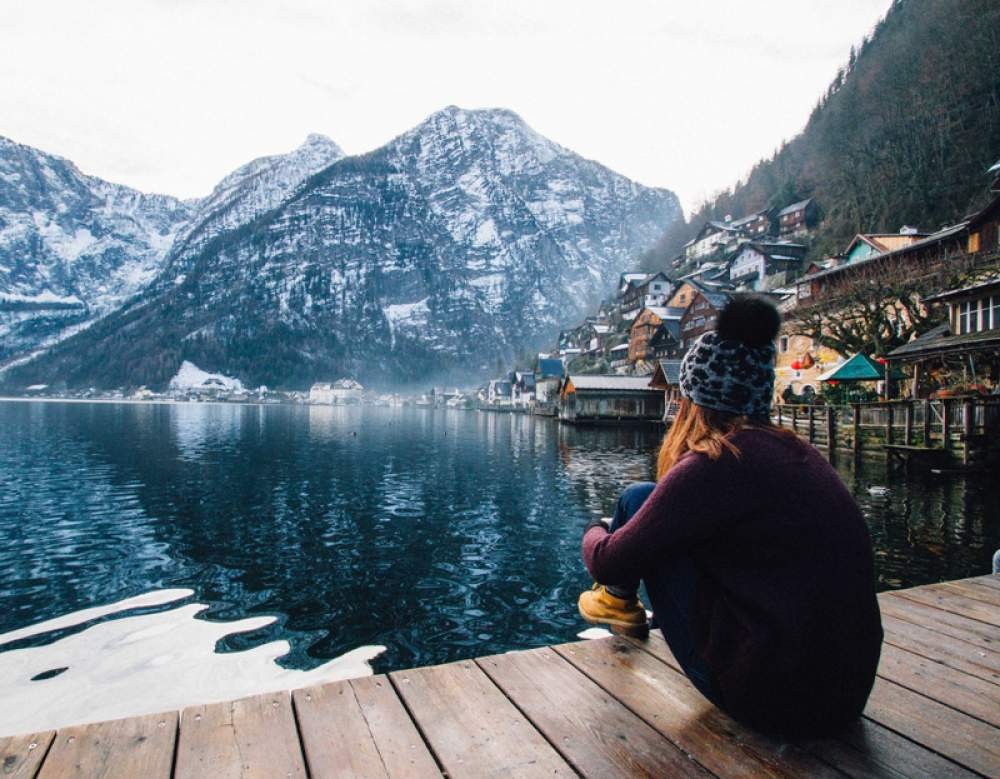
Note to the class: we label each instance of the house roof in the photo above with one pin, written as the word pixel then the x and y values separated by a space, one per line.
pixel 954 293
pixel 795 206
pixel 671 371
pixel 550 367
pixel 716 299
pixel 940 235
pixel 860 367
pixel 939 340
pixel 615 383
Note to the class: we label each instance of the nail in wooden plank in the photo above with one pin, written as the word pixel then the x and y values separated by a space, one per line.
pixel 127 748
pixel 245 738
pixel 21 756
pixel 359 730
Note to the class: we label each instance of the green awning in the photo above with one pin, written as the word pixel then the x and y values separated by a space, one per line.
pixel 859 368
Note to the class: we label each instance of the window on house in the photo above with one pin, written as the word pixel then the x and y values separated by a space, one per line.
pixel 965 321
pixel 995 309
pixel 784 344
pixel 973 316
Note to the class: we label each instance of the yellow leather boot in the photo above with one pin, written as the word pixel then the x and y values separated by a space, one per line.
pixel 625 617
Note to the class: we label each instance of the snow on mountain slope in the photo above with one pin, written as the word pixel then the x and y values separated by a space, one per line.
pixel 74 248
pixel 459 244
pixel 247 193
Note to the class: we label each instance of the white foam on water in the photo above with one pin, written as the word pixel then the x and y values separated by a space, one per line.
pixel 145 664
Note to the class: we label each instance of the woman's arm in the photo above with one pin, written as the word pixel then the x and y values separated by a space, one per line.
pixel 692 504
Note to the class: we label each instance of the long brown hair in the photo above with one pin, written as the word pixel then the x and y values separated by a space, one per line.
pixel 699 429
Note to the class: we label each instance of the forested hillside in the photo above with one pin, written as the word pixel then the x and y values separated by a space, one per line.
pixel 903 134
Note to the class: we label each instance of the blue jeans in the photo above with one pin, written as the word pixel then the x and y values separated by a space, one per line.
pixel 675 582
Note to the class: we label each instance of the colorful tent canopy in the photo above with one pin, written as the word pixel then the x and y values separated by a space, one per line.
pixel 859 368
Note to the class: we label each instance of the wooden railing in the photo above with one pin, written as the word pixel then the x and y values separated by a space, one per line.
pixel 965 427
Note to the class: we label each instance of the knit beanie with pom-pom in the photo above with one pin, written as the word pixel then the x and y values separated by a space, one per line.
pixel 731 369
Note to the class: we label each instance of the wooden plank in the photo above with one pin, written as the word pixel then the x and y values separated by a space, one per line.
pixel 974 590
pixel 21 756
pixel 248 737
pixel 472 728
pixel 952 652
pixel 956 689
pixel 665 699
pixel 866 749
pixel 973 631
pixel 362 730
pixel 956 603
pixel 596 734
pixel 990 580
pixel 133 747
pixel 959 737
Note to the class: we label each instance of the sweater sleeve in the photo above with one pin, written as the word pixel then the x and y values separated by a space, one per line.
pixel 692 504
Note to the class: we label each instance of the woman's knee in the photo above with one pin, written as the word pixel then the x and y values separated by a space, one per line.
pixel 634 496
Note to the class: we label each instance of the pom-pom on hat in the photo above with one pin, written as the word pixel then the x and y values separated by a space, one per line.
pixel 731 369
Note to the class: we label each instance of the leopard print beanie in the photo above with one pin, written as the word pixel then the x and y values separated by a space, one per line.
pixel 728 375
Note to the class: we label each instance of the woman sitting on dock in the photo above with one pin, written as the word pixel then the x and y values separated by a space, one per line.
pixel 756 559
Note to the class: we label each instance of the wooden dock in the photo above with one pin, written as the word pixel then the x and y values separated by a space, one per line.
pixel 608 707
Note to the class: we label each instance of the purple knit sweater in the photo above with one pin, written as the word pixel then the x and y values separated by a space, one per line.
pixel 785 615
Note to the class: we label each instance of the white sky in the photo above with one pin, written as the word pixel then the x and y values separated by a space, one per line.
pixel 170 95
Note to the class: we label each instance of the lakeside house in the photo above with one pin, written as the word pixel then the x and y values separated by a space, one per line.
pixel 666 379
pixel 338 393
pixel 967 343
pixel 798 218
pixel 548 378
pixel 655 333
pixel 602 398
pixel 700 316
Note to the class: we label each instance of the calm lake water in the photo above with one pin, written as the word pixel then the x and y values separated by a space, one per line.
pixel 436 534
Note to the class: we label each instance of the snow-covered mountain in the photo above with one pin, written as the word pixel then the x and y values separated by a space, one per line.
pixel 458 245
pixel 74 248
pixel 245 194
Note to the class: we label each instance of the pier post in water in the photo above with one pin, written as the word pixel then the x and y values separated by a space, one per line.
pixel 908 428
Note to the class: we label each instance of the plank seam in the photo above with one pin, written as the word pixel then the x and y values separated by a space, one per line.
pixel 911 620
pixel 625 705
pixel 298 733
pixel 928 747
pixel 930 698
pixel 832 766
pixel 940 662
pixel 846 744
pixel 45 754
pixel 971 593
pixel 902 594
pixel 550 742
pixel 368 727
pixel 417 725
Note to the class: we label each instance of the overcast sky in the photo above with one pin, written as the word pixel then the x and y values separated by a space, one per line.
pixel 170 95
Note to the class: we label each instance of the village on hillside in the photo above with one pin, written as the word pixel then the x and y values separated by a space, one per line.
pixel 913 314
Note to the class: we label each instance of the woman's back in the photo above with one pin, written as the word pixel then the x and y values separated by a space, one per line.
pixel 785 611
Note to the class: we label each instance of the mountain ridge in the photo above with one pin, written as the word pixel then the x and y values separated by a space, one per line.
pixel 452 247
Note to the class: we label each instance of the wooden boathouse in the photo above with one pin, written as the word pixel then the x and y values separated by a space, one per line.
pixel 610 707
pixel 597 399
